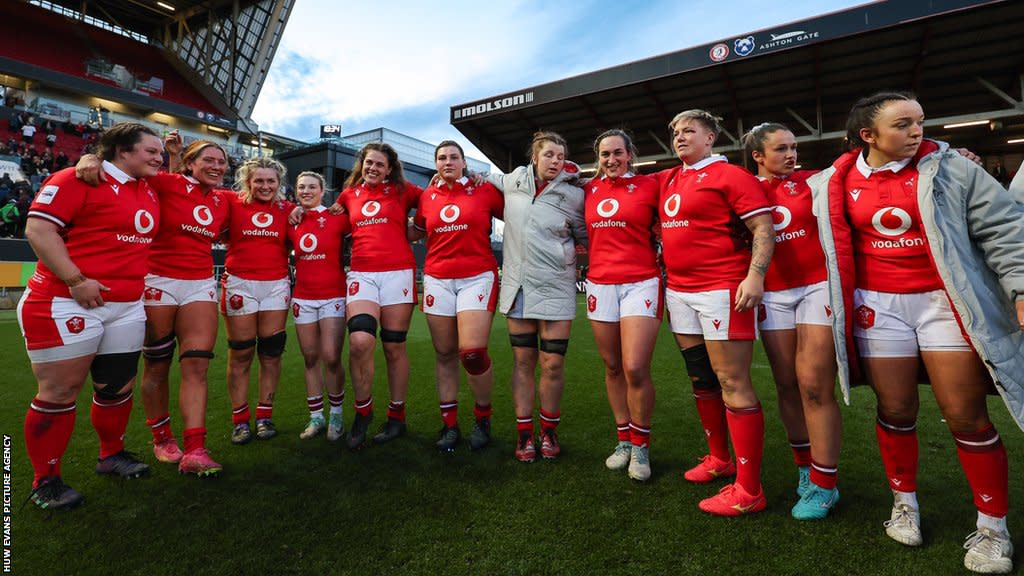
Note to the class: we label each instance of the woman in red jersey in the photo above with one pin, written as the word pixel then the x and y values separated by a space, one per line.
pixel 82 311
pixel 717 243
pixel 543 224
pixel 795 319
pixel 318 303
pixel 381 283
pixel 460 288
pixel 624 293
pixel 181 295
pixel 925 257
pixel 256 292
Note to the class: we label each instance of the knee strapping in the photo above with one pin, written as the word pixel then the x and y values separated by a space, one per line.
pixel 393 336
pixel 476 361
pixel 196 354
pixel 271 346
pixel 114 371
pixel 698 365
pixel 241 344
pixel 555 346
pixel 161 349
pixel 527 340
pixel 363 323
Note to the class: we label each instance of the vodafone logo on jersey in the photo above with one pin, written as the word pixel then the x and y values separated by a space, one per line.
pixel 202 215
pixel 608 207
pixel 672 205
pixel 307 243
pixel 262 219
pixel 371 208
pixel 144 222
pixel 450 213
pixel 781 217
pixel 891 221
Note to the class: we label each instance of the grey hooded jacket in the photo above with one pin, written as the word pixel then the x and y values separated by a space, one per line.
pixel 975 233
pixel 541 233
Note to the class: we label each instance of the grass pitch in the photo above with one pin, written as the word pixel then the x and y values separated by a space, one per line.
pixel 288 506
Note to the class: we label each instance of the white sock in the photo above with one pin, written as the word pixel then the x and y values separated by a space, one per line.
pixel 908 498
pixel 317 413
pixel 994 524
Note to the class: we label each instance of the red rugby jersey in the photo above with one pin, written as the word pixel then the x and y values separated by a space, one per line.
pixel 621 214
pixel 705 244
pixel 256 238
pixel 319 243
pixel 108 230
pixel 458 226
pixel 190 222
pixel 378 216
pixel 890 249
pixel 798 259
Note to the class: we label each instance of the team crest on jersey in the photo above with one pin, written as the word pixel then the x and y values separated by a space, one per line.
pixel 630 187
pixel 790 188
pixel 295 310
pixel 909 183
pixel 429 300
pixel 75 324
pixel 865 317
pixel 353 288
pixel 216 199
pixel 153 294
pixel 591 302
pixel 236 301
pixel 701 177
pixel 321 221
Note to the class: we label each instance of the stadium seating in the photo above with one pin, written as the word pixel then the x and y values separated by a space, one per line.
pixel 66 46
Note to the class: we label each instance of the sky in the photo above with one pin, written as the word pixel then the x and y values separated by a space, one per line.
pixel 402 64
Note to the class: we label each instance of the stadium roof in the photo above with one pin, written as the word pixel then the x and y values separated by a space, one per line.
pixel 224 47
pixel 963 58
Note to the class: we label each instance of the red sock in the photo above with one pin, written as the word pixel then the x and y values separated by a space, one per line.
pixel 746 427
pixel 824 476
pixel 622 431
pixel 364 407
pixel 898 445
pixel 48 428
pixel 264 411
pixel 482 411
pixel 160 427
pixel 195 438
pixel 240 415
pixel 711 410
pixel 450 413
pixel 983 458
pixel 639 435
pixel 110 419
pixel 801 452
pixel 396 410
pixel 524 425
pixel 549 420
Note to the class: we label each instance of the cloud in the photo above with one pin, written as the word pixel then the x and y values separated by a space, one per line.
pixel 402 64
